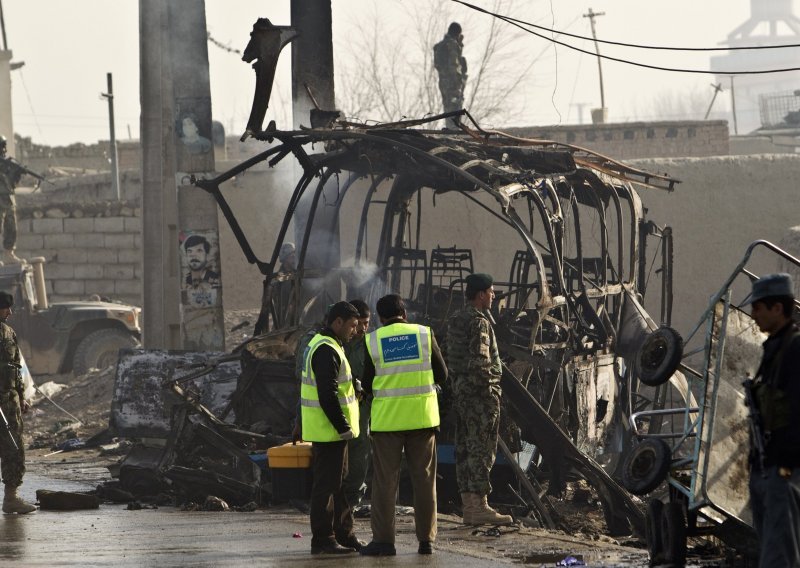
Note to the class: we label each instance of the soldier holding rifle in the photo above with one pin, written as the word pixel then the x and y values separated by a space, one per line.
pixel 775 394
pixel 13 405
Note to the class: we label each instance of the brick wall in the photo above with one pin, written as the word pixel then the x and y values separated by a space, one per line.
pixel 639 139
pixel 91 247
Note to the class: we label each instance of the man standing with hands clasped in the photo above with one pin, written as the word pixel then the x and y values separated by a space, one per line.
pixel 402 372
pixel 329 412
pixel 775 484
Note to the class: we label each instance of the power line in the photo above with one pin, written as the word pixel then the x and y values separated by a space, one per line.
pixel 623 44
pixel 627 61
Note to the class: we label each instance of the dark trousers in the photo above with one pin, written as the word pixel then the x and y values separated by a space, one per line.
pixel 331 517
pixel 8 221
pixel 358 460
pixel 387 451
pixel 775 502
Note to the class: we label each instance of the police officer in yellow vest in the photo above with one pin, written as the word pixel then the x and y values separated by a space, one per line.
pixel 329 412
pixel 402 370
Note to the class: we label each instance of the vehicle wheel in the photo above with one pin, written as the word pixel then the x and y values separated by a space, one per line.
pixel 100 349
pixel 646 466
pixel 655 546
pixel 659 356
pixel 673 534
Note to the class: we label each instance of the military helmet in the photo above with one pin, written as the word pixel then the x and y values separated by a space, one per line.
pixel 6 300
pixel 3 141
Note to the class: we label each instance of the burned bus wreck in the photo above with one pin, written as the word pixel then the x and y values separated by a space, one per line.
pixel 392 208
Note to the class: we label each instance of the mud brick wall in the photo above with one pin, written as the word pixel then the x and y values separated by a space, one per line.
pixel 639 139
pixel 90 247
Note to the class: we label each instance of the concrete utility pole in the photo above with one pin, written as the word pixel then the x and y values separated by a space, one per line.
pixel 598 117
pixel 312 70
pixel 182 277
pixel 112 145
pixel 717 90
pixel 733 108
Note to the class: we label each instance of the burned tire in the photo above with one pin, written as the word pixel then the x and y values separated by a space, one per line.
pixel 652 527
pixel 646 466
pixel 673 534
pixel 100 349
pixel 659 356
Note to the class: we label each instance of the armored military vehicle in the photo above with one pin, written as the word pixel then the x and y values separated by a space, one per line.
pixel 68 336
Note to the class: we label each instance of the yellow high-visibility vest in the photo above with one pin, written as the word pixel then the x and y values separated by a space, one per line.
pixel 316 426
pixel 403 388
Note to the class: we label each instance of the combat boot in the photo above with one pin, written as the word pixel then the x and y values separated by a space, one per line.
pixel 485 515
pixel 468 508
pixel 10 258
pixel 14 504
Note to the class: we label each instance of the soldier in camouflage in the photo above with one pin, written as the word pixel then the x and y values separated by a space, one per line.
pixel 475 369
pixel 13 403
pixel 9 178
pixel 452 69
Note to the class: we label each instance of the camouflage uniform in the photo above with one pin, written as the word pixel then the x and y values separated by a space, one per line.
pixel 12 460
pixel 475 369
pixel 357 448
pixel 452 69
pixel 8 208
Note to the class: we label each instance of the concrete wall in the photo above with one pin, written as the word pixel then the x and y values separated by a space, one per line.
pixel 723 204
pixel 90 247
pixel 630 140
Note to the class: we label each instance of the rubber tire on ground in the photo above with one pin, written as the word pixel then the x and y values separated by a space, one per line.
pixel 659 356
pixel 673 533
pixel 646 466
pixel 99 349
pixel 652 527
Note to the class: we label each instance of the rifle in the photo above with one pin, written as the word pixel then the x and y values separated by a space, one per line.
pixel 15 170
pixel 756 427
pixel 8 428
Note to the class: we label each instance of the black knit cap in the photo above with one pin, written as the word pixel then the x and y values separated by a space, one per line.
pixel 6 300
pixel 479 281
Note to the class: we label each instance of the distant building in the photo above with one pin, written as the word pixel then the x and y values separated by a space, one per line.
pixel 771 22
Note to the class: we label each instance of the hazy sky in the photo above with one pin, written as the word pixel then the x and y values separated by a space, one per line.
pixel 69 46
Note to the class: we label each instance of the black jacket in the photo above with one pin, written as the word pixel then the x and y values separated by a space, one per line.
pixel 783 445
pixel 325 363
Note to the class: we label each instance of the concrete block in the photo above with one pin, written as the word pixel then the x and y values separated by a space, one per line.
pixel 23 226
pixel 47 226
pixel 118 271
pixel 30 242
pixel 59 241
pixel 70 256
pixel 119 241
pixel 89 241
pixel 102 287
pixel 103 256
pixel 89 271
pixel 79 225
pixel 59 271
pixel 48 285
pixel 133 224
pixel 129 256
pixel 132 287
pixel 137 240
pixel 109 224
pixel 69 287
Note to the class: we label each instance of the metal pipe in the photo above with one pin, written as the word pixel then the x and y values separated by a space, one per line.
pixel 112 144
pixel 38 280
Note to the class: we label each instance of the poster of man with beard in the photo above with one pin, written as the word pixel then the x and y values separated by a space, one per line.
pixel 201 283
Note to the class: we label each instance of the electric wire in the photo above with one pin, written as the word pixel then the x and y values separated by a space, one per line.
pixel 627 61
pixel 624 44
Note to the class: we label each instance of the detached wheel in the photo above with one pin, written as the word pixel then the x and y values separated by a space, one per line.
pixel 659 356
pixel 673 533
pixel 655 546
pixel 646 466
pixel 100 349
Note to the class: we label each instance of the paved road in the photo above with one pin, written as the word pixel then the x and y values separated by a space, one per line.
pixel 114 536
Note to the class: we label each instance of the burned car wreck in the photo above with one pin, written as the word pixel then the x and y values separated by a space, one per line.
pixel 562 229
